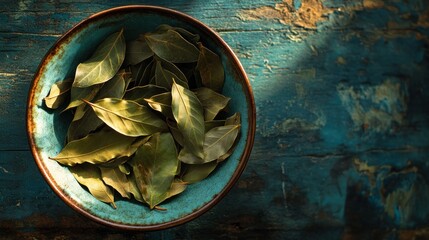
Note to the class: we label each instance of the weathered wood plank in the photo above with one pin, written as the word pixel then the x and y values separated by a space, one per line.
pixel 341 90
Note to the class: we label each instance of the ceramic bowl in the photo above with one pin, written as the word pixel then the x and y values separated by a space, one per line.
pixel 47 129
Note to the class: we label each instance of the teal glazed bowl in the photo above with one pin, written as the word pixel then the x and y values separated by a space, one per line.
pixel 47 129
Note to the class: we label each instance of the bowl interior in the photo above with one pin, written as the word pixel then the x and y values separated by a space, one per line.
pixel 47 129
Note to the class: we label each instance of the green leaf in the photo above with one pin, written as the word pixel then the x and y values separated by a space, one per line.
pixel 212 102
pixel 172 47
pixel 161 103
pixel 58 94
pixel 117 180
pixel 99 147
pixel 210 69
pixel 137 51
pixel 154 165
pixel 188 113
pixel 164 78
pixel 90 176
pixel 197 172
pixel 104 62
pixel 128 117
pixel 139 93
pixel 217 142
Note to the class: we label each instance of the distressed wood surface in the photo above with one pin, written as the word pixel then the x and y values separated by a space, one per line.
pixel 342 143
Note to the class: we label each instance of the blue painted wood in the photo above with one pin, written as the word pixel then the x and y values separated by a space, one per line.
pixel 342 128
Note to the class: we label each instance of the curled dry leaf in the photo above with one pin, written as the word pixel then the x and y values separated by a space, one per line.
pixel 58 94
pixel 89 176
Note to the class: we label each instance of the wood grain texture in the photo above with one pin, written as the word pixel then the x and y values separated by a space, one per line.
pixel 341 150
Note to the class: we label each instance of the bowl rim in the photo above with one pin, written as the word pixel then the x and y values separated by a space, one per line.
pixel 159 10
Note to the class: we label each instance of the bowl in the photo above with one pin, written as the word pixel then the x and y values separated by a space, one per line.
pixel 47 129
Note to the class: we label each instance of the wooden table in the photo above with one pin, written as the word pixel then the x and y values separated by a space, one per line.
pixel 342 143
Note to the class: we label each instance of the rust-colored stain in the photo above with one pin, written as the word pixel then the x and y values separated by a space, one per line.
pixel 306 16
pixel 424 19
pixel 372 4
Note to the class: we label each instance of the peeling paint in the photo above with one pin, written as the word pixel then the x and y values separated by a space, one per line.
pixel 305 15
pixel 371 4
pixel 300 124
pixel 423 20
pixel 375 108
pixel 364 168
pixel 341 61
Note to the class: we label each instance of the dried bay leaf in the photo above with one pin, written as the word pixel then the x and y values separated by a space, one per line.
pixel 172 68
pixel 177 187
pixel 124 168
pixel 58 94
pixel 161 103
pixel 134 189
pixel 213 123
pixel 79 112
pixel 140 93
pixel 90 176
pixel 191 37
pixel 210 69
pixel 114 88
pixel 115 178
pixel 137 51
pixel 141 73
pixel 104 62
pixel 233 120
pixel 217 142
pixel 177 135
pixel 154 166
pixel 172 47
pixel 84 126
pixel 212 102
pixel 115 162
pixel 128 117
pixel 80 94
pixel 196 172
pixel 188 113
pixel 99 147
pixel 164 78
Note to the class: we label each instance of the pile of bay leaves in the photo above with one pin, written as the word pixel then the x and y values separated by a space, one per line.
pixel 148 116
